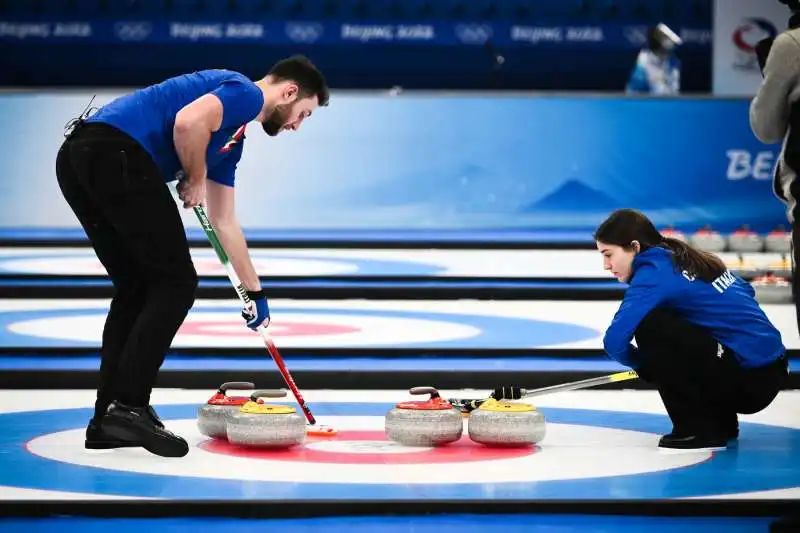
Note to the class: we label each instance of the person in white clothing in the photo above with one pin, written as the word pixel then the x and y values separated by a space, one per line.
pixel 657 71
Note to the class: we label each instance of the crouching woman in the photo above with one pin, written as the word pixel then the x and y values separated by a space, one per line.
pixel 701 338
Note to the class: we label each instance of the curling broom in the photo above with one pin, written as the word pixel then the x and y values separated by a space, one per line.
pixel 208 228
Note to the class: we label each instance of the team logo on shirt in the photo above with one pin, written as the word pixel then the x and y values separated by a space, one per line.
pixel 233 139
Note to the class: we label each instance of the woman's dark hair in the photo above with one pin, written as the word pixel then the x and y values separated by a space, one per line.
pixel 624 226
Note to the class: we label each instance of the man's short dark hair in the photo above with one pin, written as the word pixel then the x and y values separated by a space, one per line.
pixel 794 5
pixel 302 71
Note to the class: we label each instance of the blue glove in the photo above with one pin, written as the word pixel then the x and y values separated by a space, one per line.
pixel 256 313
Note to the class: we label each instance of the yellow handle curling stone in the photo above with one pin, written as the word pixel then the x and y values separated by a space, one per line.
pixel 506 424
pixel 263 425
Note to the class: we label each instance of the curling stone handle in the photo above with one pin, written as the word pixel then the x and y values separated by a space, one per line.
pixel 236 385
pixel 425 390
pixel 267 394
pixel 509 392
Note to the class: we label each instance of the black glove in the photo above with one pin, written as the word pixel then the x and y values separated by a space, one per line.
pixel 762 51
pixel 507 392
pixel 466 406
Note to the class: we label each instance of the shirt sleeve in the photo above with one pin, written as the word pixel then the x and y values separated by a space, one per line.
pixel 646 292
pixel 241 100
pixel 638 81
pixel 224 172
pixel 769 110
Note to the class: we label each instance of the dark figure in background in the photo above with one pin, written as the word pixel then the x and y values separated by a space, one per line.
pixel 775 118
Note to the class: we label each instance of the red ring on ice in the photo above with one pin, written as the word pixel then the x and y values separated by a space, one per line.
pixel 461 451
pixel 234 328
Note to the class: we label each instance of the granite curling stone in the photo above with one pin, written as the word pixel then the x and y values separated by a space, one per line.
pixel 673 233
pixel 433 422
pixel 263 425
pixel 709 240
pixel 745 240
pixel 772 289
pixel 742 266
pixel 212 418
pixel 780 267
pixel 506 424
pixel 779 241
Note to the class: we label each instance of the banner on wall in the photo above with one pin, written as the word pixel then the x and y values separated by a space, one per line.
pixel 738 26
pixel 424 162
pixel 330 32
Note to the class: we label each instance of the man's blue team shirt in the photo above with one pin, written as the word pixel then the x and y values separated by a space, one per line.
pixel 148 115
pixel 726 308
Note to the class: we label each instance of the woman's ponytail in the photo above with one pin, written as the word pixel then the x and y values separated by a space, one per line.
pixel 700 264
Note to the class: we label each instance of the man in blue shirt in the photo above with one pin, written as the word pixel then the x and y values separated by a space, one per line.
pixel 113 169
pixel 701 337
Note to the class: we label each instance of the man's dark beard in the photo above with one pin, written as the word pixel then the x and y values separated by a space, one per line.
pixel 276 120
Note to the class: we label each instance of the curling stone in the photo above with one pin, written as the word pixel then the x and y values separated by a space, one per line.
pixel 709 240
pixel 672 233
pixel 424 423
pixel 780 267
pixel 744 266
pixel 779 241
pixel 213 417
pixel 772 289
pixel 263 425
pixel 506 424
pixel 744 240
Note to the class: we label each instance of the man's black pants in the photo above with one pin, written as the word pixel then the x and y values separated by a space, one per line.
pixel 133 223
pixel 702 385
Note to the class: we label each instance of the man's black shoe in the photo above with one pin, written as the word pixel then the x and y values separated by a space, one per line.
pixel 136 424
pixel 154 417
pixel 97 439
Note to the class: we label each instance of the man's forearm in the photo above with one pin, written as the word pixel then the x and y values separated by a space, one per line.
pixel 232 239
pixel 191 144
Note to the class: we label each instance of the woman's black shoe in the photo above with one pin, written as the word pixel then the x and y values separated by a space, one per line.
pixel 697 443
